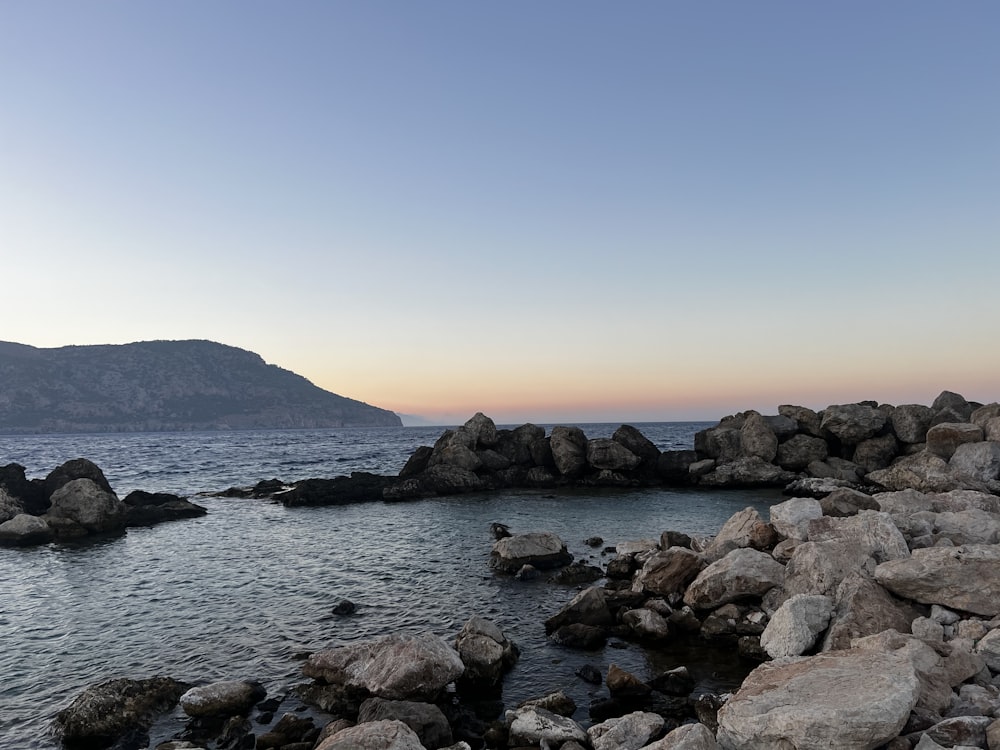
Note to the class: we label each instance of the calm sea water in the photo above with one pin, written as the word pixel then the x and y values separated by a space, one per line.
pixel 242 591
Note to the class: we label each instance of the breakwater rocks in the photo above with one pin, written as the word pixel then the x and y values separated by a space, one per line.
pixel 74 501
pixel 952 444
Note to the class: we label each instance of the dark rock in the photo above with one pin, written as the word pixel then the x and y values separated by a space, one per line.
pixel 589 607
pixel 670 539
pixel 417 462
pixel 578 572
pixel 590 673
pixel 594 541
pixel 359 487
pixel 674 466
pixel 289 729
pixel 579 636
pixel 149 508
pixel 32 494
pixel 569 450
pixel 637 443
pixel 677 681
pixel 345 607
pixel 499 530
pixel 78 468
pixel 426 719
pixel 104 713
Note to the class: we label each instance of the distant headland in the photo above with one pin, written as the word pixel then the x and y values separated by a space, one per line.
pixel 152 386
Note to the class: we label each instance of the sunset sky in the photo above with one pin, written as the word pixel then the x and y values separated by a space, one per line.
pixel 545 211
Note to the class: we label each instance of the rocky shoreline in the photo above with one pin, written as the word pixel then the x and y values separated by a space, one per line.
pixel 870 598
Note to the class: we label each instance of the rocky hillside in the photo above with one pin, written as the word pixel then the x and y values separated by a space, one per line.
pixel 163 385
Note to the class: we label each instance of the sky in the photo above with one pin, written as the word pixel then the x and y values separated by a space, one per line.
pixel 544 211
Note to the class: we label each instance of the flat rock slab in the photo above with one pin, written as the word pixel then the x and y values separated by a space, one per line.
pixel 850 700
pixel 541 549
pixel 965 577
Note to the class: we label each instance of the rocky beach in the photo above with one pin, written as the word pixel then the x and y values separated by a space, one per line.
pixel 868 598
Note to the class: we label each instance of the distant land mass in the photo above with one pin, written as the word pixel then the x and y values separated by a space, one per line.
pixel 153 386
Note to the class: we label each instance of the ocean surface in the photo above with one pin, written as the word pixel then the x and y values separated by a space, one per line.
pixel 246 590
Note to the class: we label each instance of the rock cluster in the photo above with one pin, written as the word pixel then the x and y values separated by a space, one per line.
pixel 952 444
pixel 75 500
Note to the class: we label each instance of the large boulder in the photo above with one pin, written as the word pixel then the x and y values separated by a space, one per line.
pixel 910 422
pixel 23 530
pixel 386 734
pixel 78 468
pixel 796 453
pixel 966 577
pixel 923 472
pixel 637 443
pixel 808 421
pixel 852 423
pixel 849 700
pixel 569 450
pixel 105 712
pixel 589 607
pixel 426 719
pixel 871 531
pixel 743 529
pixel 741 574
pixel 629 732
pixel 667 572
pixel 225 698
pixel 862 607
pixel 149 508
pixel 9 506
pixel 398 667
pixel 721 443
pixel 486 653
pixel 605 453
pixel 794 628
pixel 791 518
pixel 748 471
pixel 86 504
pixel 540 549
pixel 944 439
pixel 876 453
pixel 819 567
pixel 531 726
pixel 686 737
pixel 979 462
pixel 757 438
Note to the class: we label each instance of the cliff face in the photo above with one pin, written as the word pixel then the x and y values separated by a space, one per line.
pixel 163 385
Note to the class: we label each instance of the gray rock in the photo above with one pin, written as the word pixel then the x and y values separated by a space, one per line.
pixel 757 438
pixel 844 501
pixel 569 450
pixel 425 719
pixel 589 607
pixel 791 518
pixel 743 529
pixel 968 731
pixel 740 574
pixel 794 628
pixel 966 577
pixel 629 732
pixel 977 461
pixel 9 506
pixel 852 423
pixel 605 453
pixel 819 567
pixel 87 505
pixel 23 530
pixel 808 421
pixel 667 572
pixel 862 607
pixel 836 468
pixel 486 653
pixel 374 735
pixel 646 623
pixel 719 443
pixel 398 667
pixel 850 700
pixel 686 737
pixel 911 421
pixel 872 531
pixel 224 698
pixel 944 439
pixel 533 726
pixel 922 472
pixel 796 453
pixel 636 443
pixel 541 549
pixel 751 471
pixel 876 453
pixel 989 648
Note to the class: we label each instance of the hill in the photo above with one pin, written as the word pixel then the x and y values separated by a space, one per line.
pixel 162 386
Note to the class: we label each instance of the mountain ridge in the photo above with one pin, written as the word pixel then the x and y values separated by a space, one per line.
pixel 154 386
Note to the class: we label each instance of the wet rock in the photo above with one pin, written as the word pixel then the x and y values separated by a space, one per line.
pixel 578 572
pixel 646 624
pixel 589 607
pixel 149 508
pixel 540 549
pixel 486 653
pixel 23 530
pixel 579 636
pixel 224 698
pixel 677 681
pixel 965 577
pixel 851 700
pixel 425 719
pixel 105 712
pixel 533 726
pixel 668 572
pixel 85 504
pixel 289 730
pixel 622 684
pixel 374 735
pixel 557 702
pixel 397 667
pixel 344 608
pixel 629 732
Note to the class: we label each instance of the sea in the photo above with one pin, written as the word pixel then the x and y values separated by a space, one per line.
pixel 248 589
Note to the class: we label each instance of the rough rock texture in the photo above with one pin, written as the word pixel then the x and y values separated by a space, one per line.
pixel 667 572
pixel 84 503
pixel 791 518
pixel 743 529
pixel 485 652
pixel 539 549
pixel 871 531
pixel 569 450
pixel 225 698
pixel 741 574
pixel 398 667
pixel 794 628
pixel 589 607
pixel 629 732
pixel 852 423
pixel 944 439
pixel 862 607
pixel 532 726
pixel 686 737
pixel 965 577
pixel 374 735
pixel 102 713
pixel 850 700
pixel 426 719
pixel 24 530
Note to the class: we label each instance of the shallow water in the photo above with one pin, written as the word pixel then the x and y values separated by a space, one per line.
pixel 240 592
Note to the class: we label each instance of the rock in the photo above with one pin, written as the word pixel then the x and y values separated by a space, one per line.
pixel 967 731
pixel 757 438
pixel 816 487
pixel 589 607
pixel 852 423
pixel 225 698
pixel 791 518
pixel 78 468
pixel 425 719
pixel 840 469
pixel 31 496
pixel 569 450
pixel 645 623
pixel 23 530
pixel 578 572
pixel 87 505
pixel 540 549
pixel 398 667
pixel 910 422
pixel 871 531
pixel 149 508
pixel 751 471
pixel 288 730
pixel 862 607
pixel 9 506
pixel 989 648
pixel 850 700
pixel 629 732
pixel 743 529
pixel 971 526
pixel 844 501
pixel 686 737
pixel 993 735
pixel 944 439
pixel 807 420
pixel 794 628
pixel 637 443
pixel 486 653
pixel 557 702
pixel 819 567
pixel 978 462
pixel 533 726
pixel 674 467
pixel 605 453
pixel 966 577
pixel 482 431
pixel 796 453
pixel 740 574
pixel 667 572
pixel 374 735
pixel 719 443
pixel 922 472
pixel 345 607
pixel 105 712
pixel 623 684
pixel 876 453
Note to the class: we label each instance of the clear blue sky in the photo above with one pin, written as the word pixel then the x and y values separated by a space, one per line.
pixel 544 211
